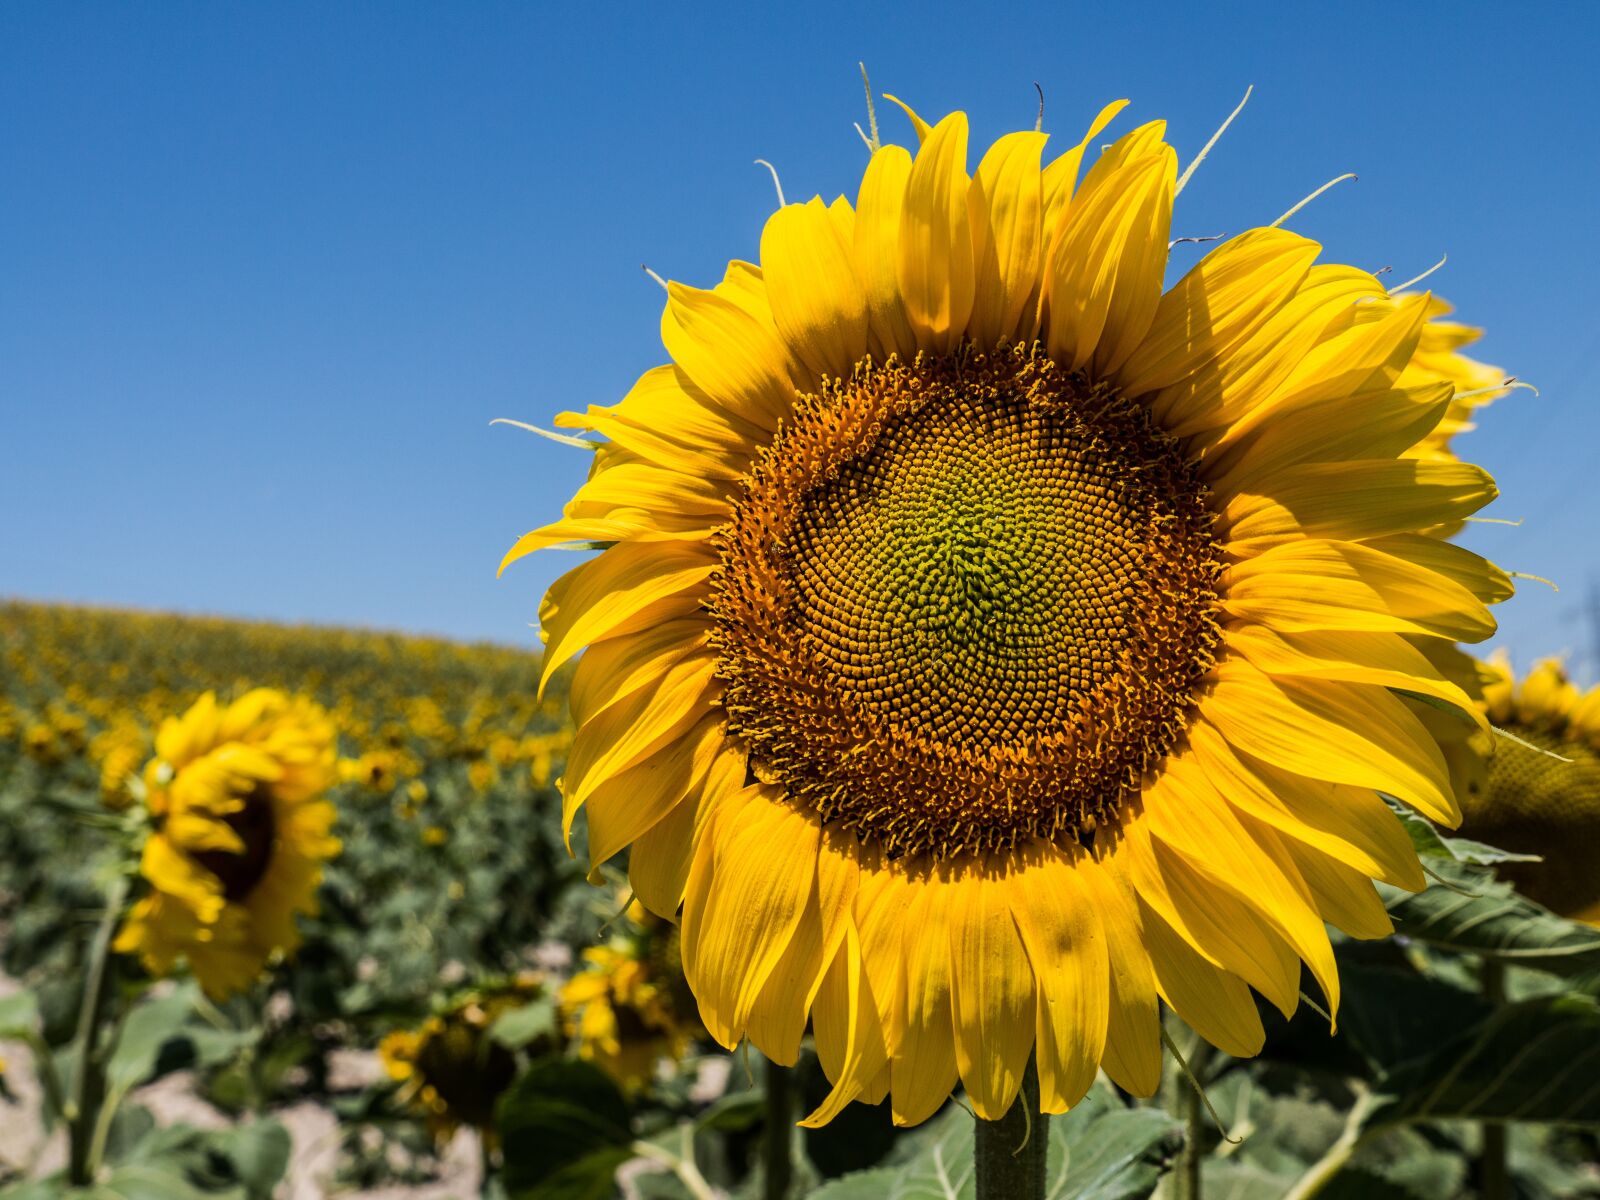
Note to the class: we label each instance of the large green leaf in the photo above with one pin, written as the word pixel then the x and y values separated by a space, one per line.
pixel 1104 1151
pixel 19 1016
pixel 1538 1060
pixel 565 1129
pixel 149 1027
pixel 1100 1150
pixel 1473 912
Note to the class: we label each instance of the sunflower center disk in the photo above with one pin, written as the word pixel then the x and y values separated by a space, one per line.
pixel 964 603
pixel 1550 807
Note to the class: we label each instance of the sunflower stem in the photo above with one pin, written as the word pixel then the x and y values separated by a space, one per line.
pixel 89 1076
pixel 1191 1104
pixel 777 1141
pixel 1009 1154
pixel 1494 1168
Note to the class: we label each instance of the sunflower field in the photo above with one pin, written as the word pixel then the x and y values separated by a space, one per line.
pixel 1014 729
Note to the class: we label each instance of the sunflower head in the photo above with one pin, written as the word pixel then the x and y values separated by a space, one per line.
pixel 450 1067
pixel 238 834
pixel 988 645
pixel 1533 801
pixel 629 1007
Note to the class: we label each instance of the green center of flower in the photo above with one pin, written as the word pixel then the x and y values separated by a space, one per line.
pixel 965 603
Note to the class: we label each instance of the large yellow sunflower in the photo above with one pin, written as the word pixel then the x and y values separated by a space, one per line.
pixel 239 836
pixel 988 645
pixel 1534 803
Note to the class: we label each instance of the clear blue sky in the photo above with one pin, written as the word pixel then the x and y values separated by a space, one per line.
pixel 267 271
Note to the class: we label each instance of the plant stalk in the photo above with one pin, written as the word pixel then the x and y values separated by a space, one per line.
pixel 89 1077
pixel 1191 1107
pixel 1009 1154
pixel 1494 1182
pixel 777 1137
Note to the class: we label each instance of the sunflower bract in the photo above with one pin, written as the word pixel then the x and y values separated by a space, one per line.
pixel 991 646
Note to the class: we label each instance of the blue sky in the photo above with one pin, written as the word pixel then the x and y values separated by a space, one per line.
pixel 267 272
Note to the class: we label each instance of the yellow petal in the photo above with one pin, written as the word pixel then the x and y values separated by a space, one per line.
pixel 1066 945
pixel 1363 737
pixel 732 356
pixel 1316 584
pixel 763 868
pixel 1223 299
pixel 1472 572
pixel 1189 816
pixel 635 728
pixel 1213 1003
pixel 880 206
pixel 1346 898
pixel 618 667
pixel 632 800
pixel 1379 424
pixel 1133 1030
pixel 1007 203
pixel 922 127
pixel 923 1068
pixel 1061 176
pixel 1356 500
pixel 935 268
pixel 658 866
pixel 845 1004
pixel 1220 928
pixel 992 992
pixel 1384 659
pixel 817 302
pixel 1102 276
pixel 626 588
pixel 1227 387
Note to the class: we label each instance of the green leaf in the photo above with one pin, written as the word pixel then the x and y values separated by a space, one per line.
pixel 734 1113
pixel 875 1184
pixel 1103 1151
pixel 1429 843
pixel 522 1026
pixel 1480 915
pixel 153 1181
pixel 19 1016
pixel 258 1153
pixel 1538 1060
pixel 565 1129
pixel 938 1160
pixel 149 1027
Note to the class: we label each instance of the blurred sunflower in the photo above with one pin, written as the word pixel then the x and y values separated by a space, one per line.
pixel 239 834
pixel 1534 803
pixel 630 1007
pixel 988 644
pixel 450 1068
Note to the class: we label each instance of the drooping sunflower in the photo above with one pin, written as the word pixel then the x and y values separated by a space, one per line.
pixel 1536 803
pixel 989 645
pixel 629 1007
pixel 1438 359
pixel 450 1067
pixel 238 837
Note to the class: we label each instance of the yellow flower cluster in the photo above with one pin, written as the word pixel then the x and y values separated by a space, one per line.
pixel 91 685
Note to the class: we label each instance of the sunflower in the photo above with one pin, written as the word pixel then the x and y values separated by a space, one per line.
pixel 1536 803
pixel 450 1067
pixel 1438 359
pixel 239 834
pixel 987 645
pixel 629 1007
